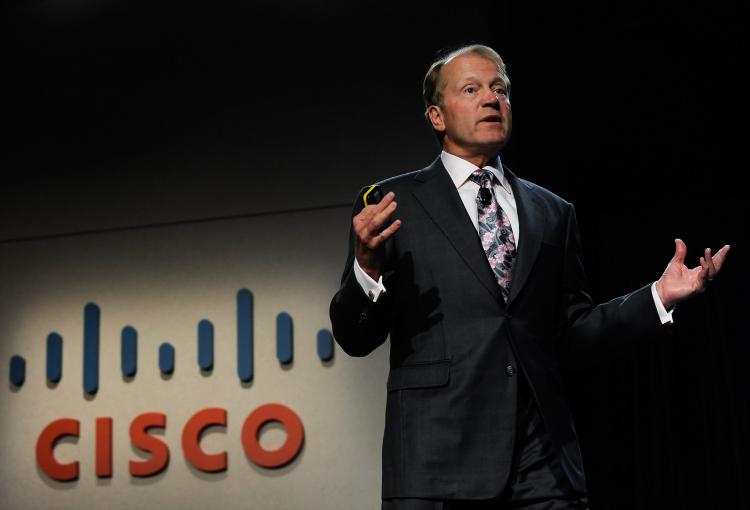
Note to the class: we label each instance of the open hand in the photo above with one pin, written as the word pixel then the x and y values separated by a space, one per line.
pixel 680 282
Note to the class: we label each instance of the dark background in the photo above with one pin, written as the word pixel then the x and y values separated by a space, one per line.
pixel 125 114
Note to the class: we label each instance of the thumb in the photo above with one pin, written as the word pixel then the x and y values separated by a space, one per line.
pixel 680 250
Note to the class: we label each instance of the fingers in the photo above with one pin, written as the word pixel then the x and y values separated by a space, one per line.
pixel 705 268
pixel 379 219
pixel 369 222
pixel 680 249
pixel 372 210
pixel 707 263
pixel 712 264
pixel 367 214
pixel 388 232
pixel 719 257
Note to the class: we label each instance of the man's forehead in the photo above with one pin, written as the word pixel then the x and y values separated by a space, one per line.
pixel 472 60
pixel 463 66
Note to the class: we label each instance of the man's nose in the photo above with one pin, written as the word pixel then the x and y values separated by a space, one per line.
pixel 490 98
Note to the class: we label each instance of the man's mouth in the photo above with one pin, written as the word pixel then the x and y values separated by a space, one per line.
pixel 492 118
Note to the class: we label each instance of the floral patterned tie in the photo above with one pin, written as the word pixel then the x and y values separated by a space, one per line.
pixel 495 231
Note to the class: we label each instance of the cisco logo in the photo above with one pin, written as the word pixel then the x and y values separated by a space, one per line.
pixel 193 428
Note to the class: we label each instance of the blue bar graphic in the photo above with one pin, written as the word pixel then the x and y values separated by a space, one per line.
pixel 205 345
pixel 325 345
pixel 284 338
pixel 166 358
pixel 91 317
pixel 54 357
pixel 17 370
pixel 245 335
pixel 129 351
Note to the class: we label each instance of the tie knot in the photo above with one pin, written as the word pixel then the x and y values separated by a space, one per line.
pixel 482 177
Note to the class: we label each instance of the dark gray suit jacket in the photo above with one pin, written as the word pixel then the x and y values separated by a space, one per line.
pixel 457 349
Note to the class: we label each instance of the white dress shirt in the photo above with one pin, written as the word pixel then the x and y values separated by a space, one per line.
pixel 459 171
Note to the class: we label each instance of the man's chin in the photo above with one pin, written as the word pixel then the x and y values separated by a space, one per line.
pixel 493 144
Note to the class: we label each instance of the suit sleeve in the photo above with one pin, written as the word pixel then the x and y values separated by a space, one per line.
pixel 359 325
pixel 591 333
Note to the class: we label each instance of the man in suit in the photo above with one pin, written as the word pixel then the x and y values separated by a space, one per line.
pixel 480 284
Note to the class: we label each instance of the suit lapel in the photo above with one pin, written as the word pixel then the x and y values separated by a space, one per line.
pixel 439 198
pixel 531 218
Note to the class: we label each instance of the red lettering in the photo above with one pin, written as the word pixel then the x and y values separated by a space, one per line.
pixel 295 435
pixel 45 445
pixel 104 447
pixel 191 434
pixel 159 450
pixel 141 439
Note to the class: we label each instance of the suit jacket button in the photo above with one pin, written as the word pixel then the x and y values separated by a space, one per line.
pixel 508 316
pixel 510 370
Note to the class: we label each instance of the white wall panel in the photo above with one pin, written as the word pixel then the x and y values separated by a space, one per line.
pixel 162 281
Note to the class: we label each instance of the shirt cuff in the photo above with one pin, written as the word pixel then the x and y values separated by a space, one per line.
pixel 372 288
pixel 664 316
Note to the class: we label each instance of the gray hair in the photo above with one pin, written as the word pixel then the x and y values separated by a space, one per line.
pixel 432 89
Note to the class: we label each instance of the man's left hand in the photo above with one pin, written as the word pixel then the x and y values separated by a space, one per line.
pixel 680 282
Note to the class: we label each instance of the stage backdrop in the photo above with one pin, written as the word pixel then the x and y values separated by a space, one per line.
pixel 162 282
pixel 131 125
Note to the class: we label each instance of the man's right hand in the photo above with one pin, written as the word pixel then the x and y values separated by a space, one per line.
pixel 369 244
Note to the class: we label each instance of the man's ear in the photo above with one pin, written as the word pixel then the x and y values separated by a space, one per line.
pixel 435 116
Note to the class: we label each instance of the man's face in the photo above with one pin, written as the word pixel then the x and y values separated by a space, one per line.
pixel 475 114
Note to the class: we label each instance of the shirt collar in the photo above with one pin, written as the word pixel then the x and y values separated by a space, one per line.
pixel 460 170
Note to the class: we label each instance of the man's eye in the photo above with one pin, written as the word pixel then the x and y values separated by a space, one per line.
pixel 469 90
pixel 501 91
